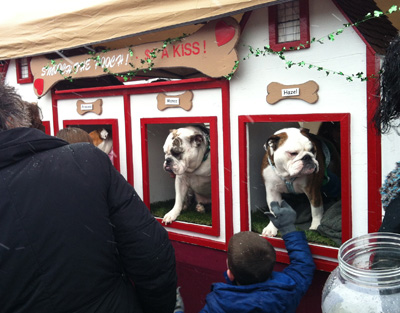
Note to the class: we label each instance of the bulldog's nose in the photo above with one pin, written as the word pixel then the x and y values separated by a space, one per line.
pixel 168 161
pixel 307 157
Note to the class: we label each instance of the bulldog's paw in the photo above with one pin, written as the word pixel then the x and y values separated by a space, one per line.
pixel 269 231
pixel 170 217
pixel 200 208
pixel 315 223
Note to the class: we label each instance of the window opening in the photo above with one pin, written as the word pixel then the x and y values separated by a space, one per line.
pixel 288 22
pixel 24 68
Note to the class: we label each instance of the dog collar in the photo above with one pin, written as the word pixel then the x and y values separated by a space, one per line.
pixel 327 155
pixel 206 154
pixel 206 132
pixel 288 183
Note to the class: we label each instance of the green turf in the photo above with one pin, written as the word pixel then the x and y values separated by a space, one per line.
pixel 159 209
pixel 259 221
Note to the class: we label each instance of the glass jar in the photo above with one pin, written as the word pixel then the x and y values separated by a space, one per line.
pixel 367 279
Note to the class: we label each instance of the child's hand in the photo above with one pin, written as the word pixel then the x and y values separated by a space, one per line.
pixel 282 216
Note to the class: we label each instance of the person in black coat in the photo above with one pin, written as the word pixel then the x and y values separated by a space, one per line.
pixel 74 234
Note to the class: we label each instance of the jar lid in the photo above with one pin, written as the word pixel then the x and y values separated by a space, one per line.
pixel 372 259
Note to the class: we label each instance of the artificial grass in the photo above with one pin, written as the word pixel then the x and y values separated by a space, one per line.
pixel 160 208
pixel 259 221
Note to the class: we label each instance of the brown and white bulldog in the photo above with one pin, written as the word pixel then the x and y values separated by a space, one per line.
pixel 294 162
pixel 187 157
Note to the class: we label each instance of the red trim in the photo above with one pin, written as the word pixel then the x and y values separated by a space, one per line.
pixel 344 119
pixel 374 146
pixel 4 68
pixel 322 265
pixel 304 28
pixel 145 163
pixel 226 126
pixel 128 138
pixel 25 80
pixel 220 245
pixel 345 163
pixel 54 105
pixel 114 127
pixel 46 125
pixel 214 230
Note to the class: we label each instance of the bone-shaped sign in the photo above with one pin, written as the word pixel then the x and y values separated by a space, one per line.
pixel 85 107
pixel 183 101
pixel 307 91
pixel 210 50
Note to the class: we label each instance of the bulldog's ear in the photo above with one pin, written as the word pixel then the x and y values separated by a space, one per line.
pixel 197 139
pixel 304 131
pixel 272 143
pixel 174 133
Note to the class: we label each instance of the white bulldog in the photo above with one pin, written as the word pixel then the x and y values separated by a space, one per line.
pixel 187 157
pixel 294 162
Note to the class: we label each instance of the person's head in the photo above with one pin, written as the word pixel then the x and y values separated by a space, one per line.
pixel 251 258
pixel 74 135
pixel 35 115
pixel 13 112
pixel 388 112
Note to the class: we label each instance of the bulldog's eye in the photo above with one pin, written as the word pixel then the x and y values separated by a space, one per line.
pixel 313 150
pixel 176 151
pixel 175 154
pixel 293 154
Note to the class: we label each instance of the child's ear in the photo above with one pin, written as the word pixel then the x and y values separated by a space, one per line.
pixel 230 275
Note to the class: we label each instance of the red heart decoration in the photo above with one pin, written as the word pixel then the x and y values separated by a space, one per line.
pixel 38 84
pixel 223 33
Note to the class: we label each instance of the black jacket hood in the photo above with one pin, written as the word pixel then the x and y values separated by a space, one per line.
pixel 19 143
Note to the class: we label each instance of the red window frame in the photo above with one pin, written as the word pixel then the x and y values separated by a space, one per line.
pixel 109 122
pixel 317 250
pixel 304 41
pixel 20 79
pixel 214 229
pixel 4 68
pixel 47 129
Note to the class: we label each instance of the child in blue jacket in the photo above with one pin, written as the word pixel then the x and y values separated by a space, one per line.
pixel 251 284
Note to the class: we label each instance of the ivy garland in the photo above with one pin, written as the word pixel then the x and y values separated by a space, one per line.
pixel 256 52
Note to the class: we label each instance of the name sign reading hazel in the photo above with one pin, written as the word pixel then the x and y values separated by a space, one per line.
pixel 210 50
pixel 307 92
pixel 290 92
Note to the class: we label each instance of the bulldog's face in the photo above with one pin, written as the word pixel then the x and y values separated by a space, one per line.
pixel 292 152
pixel 184 150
